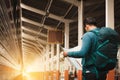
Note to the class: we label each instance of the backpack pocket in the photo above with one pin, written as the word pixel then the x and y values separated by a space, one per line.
pixel 104 63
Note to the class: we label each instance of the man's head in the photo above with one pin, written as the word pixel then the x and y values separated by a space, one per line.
pixel 90 23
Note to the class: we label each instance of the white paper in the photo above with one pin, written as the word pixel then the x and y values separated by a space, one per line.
pixel 74 61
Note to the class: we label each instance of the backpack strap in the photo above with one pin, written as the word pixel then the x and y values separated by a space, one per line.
pixel 104 43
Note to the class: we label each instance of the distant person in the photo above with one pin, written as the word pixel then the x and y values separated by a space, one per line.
pixel 89 44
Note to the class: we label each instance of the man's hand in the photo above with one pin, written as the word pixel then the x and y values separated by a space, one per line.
pixel 65 54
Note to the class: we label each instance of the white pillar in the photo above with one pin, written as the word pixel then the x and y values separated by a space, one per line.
pixel 66 35
pixel 66 44
pixel 58 56
pixel 52 55
pixel 119 59
pixel 110 13
pixel 80 22
pixel 47 58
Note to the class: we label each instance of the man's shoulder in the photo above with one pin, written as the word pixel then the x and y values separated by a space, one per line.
pixel 89 33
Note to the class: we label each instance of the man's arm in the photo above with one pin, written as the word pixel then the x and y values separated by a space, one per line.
pixel 86 44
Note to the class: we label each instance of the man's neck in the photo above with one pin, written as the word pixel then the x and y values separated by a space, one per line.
pixel 92 28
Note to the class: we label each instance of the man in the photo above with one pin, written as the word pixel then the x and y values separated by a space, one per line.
pixel 89 44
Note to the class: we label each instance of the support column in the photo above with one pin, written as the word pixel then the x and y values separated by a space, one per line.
pixel 80 32
pixel 52 55
pixel 110 23
pixel 110 13
pixel 119 59
pixel 47 58
pixel 80 22
pixel 52 64
pixel 66 45
pixel 52 50
pixel 66 35
pixel 58 62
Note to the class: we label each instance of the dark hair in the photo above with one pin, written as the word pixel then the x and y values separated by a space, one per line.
pixel 90 21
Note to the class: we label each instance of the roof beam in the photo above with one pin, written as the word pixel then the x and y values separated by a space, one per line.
pixel 32 31
pixel 33 38
pixel 29 43
pixel 92 3
pixel 87 3
pixel 37 45
pixel 35 42
pixel 44 13
pixel 36 23
pixel 74 2
pixel 30 48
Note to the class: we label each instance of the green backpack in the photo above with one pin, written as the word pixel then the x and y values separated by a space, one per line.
pixel 105 55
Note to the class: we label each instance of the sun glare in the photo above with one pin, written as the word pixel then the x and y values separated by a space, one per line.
pixel 24 73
